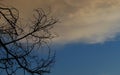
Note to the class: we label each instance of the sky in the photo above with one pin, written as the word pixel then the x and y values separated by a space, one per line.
pixel 88 34
pixel 88 59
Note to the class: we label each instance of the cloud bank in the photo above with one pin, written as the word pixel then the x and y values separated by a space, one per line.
pixel 89 21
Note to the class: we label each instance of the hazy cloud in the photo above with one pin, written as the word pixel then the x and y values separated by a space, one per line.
pixel 90 21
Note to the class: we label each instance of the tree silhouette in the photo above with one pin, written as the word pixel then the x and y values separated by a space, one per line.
pixel 20 45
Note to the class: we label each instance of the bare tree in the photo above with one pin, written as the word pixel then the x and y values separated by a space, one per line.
pixel 19 44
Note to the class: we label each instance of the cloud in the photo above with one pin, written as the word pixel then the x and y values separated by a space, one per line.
pixel 89 21
pixel 92 22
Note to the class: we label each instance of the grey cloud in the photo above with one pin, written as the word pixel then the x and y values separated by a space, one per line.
pixel 90 21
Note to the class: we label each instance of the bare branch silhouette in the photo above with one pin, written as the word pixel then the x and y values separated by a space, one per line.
pixel 19 46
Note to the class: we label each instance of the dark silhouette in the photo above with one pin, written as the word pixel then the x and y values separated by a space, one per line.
pixel 20 45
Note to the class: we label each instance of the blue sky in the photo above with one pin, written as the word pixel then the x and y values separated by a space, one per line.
pixel 88 59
